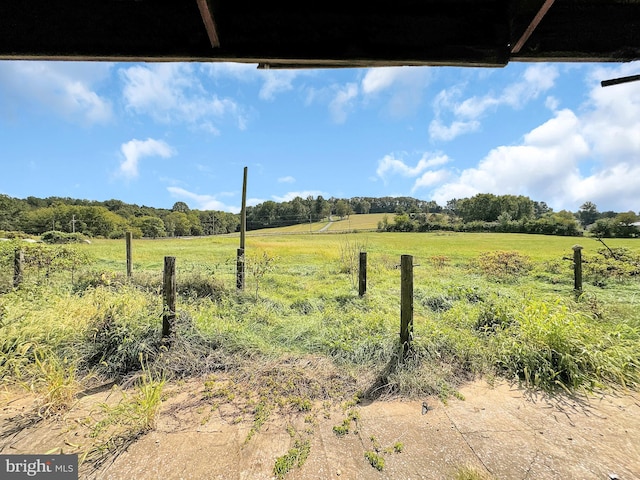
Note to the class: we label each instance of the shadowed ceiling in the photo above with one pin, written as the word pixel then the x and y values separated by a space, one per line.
pixel 330 33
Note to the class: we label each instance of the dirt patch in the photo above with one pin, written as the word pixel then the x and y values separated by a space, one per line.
pixel 500 430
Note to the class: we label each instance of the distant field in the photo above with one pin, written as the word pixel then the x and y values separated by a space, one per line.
pixel 354 222
pixel 322 248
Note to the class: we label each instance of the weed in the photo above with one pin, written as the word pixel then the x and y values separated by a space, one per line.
pixel 295 457
pixel 470 473
pixel 504 265
pixel 349 261
pixel 375 460
pixel 56 380
pixel 342 429
pixel 258 266
pixel 398 447
pixel 260 415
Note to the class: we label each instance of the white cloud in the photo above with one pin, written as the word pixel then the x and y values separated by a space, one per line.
pixel 287 179
pixel 439 131
pixel 66 88
pixel 202 202
pixel 404 86
pixel 590 154
pixel 544 166
pixel 135 150
pixel 274 82
pixel 535 80
pixel 287 197
pixel 389 165
pixel 342 102
pixel 430 178
pixel 172 93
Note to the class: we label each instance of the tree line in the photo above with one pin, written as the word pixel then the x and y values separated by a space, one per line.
pixel 516 214
pixel 482 212
pixel 110 219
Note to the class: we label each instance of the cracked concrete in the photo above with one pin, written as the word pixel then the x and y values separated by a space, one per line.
pixel 500 430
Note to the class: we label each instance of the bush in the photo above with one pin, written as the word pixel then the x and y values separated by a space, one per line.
pixel 611 264
pixel 504 266
pixel 55 237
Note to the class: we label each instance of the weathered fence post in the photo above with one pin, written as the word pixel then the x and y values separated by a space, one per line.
pixel 169 296
pixel 240 263
pixel 240 269
pixel 577 268
pixel 406 302
pixel 129 257
pixel 362 276
pixel 18 267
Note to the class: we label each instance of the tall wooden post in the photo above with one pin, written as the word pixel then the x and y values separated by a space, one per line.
pixel 169 296
pixel 129 257
pixel 240 263
pixel 406 302
pixel 577 268
pixel 18 267
pixel 362 274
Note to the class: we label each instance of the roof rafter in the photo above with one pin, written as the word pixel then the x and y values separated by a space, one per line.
pixel 532 26
pixel 209 22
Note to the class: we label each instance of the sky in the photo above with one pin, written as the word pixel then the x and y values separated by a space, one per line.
pixel 158 133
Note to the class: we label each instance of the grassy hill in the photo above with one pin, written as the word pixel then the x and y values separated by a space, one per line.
pixel 355 222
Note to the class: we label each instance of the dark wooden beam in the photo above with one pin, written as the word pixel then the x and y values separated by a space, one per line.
pixel 209 22
pixel 618 81
pixel 532 26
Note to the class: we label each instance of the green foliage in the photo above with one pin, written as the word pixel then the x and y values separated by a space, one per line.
pixel 504 266
pixel 470 473
pixel 123 330
pixel 258 266
pixel 131 417
pixel 349 260
pixel 295 457
pixel 547 346
pixel 611 264
pixel 54 237
pixel 375 460
pixel 55 379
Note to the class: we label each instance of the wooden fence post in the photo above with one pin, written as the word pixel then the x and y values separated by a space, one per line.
pixel 18 267
pixel 406 302
pixel 169 296
pixel 129 257
pixel 577 268
pixel 362 277
pixel 240 269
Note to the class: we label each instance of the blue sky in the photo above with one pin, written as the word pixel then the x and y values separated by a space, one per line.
pixel 157 133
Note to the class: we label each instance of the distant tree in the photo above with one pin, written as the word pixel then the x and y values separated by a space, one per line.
pixel 180 207
pixel 540 209
pixel 623 225
pixel 451 207
pixel 322 208
pixel 343 209
pixel 588 213
pixel 602 228
pixel 11 210
pixel 152 227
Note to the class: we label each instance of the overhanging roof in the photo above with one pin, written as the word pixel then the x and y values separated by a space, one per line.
pixel 326 33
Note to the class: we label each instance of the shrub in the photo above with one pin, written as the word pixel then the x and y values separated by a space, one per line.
pixel 55 237
pixel 504 265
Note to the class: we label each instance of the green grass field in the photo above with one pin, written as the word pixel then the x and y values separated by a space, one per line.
pixel 477 311
pixel 492 305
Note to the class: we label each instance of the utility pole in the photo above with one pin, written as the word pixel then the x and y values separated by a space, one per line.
pixel 73 224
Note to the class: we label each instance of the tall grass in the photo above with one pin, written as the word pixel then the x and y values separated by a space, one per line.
pixel 525 324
